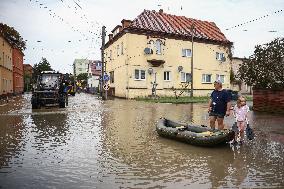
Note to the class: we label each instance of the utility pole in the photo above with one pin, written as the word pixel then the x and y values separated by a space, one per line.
pixel 102 57
pixel 192 33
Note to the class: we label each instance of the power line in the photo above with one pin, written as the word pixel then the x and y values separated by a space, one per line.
pixel 250 21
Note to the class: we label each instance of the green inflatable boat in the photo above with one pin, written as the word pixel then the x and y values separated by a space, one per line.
pixel 195 135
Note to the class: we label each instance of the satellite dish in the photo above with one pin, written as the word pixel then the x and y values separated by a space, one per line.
pixel 148 51
pixel 150 71
pixel 180 68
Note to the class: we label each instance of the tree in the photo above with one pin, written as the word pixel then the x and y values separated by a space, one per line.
pixel 12 36
pixel 82 76
pixel 265 68
pixel 43 65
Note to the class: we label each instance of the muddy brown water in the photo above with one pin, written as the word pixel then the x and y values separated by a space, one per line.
pixel 113 144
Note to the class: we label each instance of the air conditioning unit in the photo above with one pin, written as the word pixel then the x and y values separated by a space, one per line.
pixel 148 51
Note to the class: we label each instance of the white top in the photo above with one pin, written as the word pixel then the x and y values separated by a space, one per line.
pixel 241 112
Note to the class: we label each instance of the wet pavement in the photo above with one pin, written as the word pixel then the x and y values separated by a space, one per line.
pixel 113 144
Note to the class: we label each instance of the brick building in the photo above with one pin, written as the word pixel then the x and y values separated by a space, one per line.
pixel 18 71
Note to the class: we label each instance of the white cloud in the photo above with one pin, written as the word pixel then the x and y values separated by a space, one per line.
pixel 35 23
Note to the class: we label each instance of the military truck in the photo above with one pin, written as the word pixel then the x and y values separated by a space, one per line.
pixel 49 90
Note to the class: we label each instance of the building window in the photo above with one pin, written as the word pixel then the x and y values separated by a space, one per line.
pixel 158 46
pixel 111 75
pixel 185 77
pixel 221 78
pixel 110 54
pixel 118 50
pixel 220 56
pixel 140 75
pixel 206 78
pixel 121 48
pixel 186 53
pixel 167 76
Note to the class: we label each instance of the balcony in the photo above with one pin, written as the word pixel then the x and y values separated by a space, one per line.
pixel 155 59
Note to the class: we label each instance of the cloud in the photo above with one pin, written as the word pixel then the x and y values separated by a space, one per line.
pixel 35 22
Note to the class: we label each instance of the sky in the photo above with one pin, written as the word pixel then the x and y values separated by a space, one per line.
pixel 64 30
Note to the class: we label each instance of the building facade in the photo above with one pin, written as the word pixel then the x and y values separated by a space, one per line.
pixel 6 68
pixel 80 66
pixel 241 87
pixel 94 73
pixel 152 55
pixel 28 73
pixel 18 71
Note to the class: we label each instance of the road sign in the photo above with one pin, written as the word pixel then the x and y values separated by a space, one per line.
pixel 106 87
pixel 106 77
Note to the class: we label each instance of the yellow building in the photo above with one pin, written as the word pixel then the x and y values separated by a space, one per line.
pixel 239 86
pixel 152 55
pixel 6 68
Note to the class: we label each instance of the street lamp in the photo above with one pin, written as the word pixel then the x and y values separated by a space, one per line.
pixel 192 30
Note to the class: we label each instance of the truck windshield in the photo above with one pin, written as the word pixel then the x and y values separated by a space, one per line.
pixel 49 80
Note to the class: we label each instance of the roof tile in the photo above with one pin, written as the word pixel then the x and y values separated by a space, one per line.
pixel 178 25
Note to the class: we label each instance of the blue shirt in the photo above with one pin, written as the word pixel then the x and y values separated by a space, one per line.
pixel 219 101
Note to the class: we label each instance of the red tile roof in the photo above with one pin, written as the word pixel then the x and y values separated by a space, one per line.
pixel 177 25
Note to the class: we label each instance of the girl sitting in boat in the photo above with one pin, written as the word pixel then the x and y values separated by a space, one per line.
pixel 241 113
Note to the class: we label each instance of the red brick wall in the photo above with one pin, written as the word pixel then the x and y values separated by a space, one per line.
pixel 28 70
pixel 18 71
pixel 265 100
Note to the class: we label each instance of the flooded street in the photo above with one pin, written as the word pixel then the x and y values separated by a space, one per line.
pixel 113 144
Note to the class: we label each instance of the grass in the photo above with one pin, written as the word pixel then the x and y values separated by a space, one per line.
pixel 173 100
pixel 181 100
pixel 248 97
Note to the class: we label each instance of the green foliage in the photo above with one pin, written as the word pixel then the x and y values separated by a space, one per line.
pixel 12 36
pixel 265 68
pixel 27 82
pixel 82 77
pixel 233 78
pixel 43 65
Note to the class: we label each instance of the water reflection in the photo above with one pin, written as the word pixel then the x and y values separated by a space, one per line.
pixel 11 139
pixel 50 130
pixel 113 144
pixel 152 161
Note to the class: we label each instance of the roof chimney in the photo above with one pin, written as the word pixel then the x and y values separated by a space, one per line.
pixel 110 36
pixel 161 11
pixel 125 23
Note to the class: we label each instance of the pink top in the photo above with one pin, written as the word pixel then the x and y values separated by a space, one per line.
pixel 241 112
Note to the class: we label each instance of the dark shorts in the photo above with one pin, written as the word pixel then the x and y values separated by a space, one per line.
pixel 219 115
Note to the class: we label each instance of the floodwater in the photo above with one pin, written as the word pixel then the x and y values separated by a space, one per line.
pixel 113 144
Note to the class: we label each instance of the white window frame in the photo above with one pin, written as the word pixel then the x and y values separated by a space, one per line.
pixel 121 50
pixel 118 50
pixel 139 75
pixel 186 53
pixel 204 78
pixel 219 77
pixel 184 77
pixel 167 75
pixel 158 46
pixel 110 54
pixel 219 56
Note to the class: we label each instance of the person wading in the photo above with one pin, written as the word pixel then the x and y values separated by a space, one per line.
pixel 219 105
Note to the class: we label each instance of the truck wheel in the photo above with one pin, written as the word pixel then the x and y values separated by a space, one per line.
pixel 35 104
